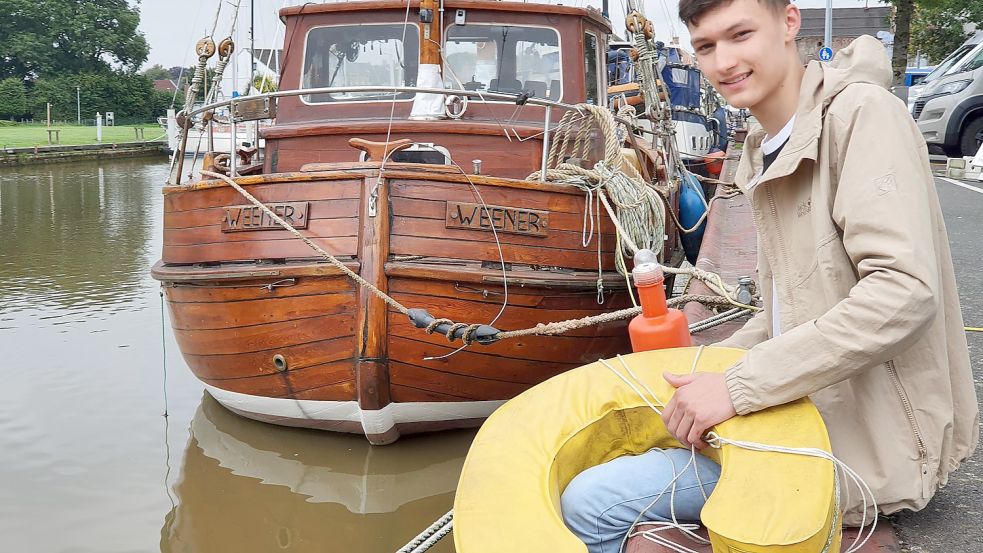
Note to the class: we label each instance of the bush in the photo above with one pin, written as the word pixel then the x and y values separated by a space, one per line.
pixel 127 95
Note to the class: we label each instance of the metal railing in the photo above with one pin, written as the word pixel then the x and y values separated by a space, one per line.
pixel 482 97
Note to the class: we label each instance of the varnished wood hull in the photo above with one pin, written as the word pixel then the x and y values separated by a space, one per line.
pixel 278 334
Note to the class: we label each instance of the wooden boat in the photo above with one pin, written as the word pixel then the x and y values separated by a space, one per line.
pixel 278 334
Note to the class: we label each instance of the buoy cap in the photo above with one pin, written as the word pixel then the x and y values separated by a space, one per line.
pixel 648 270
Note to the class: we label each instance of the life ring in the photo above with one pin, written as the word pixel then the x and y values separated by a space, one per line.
pixel 508 495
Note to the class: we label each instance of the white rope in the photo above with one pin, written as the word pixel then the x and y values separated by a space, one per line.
pixel 431 535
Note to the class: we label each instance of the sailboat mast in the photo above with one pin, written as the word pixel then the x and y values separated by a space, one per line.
pixel 430 33
pixel 252 42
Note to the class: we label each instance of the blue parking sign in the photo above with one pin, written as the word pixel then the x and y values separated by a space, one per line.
pixel 826 53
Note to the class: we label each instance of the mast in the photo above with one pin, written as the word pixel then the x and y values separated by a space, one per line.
pixel 429 33
pixel 252 43
pixel 427 105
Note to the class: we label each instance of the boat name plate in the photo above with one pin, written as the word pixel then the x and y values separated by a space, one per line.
pixel 513 220
pixel 249 217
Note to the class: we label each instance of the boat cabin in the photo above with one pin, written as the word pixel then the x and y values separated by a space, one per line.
pixel 524 50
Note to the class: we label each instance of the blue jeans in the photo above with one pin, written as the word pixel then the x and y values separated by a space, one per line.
pixel 602 503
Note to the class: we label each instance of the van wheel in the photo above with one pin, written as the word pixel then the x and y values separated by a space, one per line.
pixel 972 137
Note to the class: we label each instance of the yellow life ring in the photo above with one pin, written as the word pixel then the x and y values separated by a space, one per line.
pixel 508 496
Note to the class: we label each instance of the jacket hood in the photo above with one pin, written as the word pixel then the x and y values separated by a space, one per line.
pixel 863 61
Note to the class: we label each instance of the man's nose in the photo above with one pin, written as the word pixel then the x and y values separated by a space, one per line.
pixel 725 59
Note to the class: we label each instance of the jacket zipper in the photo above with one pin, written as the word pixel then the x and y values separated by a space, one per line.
pixel 913 424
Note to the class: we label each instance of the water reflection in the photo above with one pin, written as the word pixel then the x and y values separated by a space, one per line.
pixel 246 486
pixel 76 235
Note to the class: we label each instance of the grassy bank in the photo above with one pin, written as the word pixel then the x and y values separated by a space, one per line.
pixel 21 136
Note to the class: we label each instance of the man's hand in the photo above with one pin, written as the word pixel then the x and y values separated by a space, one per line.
pixel 701 401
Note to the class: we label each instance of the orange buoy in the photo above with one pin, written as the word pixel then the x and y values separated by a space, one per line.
pixel 714 162
pixel 658 327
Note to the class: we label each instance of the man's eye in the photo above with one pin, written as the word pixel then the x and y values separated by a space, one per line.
pixel 703 48
pixel 742 35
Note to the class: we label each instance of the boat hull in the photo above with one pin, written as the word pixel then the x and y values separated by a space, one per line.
pixel 280 335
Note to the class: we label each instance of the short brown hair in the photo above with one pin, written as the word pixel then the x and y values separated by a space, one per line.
pixel 691 10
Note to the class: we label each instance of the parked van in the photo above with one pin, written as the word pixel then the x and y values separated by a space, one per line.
pixel 956 57
pixel 949 110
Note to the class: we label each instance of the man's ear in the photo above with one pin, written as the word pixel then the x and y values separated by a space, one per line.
pixel 793 22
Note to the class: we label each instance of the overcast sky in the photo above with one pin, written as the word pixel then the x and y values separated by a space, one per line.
pixel 173 26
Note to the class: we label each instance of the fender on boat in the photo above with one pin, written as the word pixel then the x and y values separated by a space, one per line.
pixel 508 496
pixel 692 206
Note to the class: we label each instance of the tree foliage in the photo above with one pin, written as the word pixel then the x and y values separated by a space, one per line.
pixel 13 98
pixel 937 26
pixel 156 72
pixel 933 27
pixel 69 36
pixel 132 97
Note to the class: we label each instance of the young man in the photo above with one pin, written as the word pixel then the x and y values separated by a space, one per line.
pixel 860 311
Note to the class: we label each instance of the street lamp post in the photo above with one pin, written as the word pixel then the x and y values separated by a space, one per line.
pixel 78 103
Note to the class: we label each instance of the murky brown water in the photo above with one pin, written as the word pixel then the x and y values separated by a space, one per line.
pixel 87 461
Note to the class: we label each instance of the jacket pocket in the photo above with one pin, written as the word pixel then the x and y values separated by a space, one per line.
pixel 916 432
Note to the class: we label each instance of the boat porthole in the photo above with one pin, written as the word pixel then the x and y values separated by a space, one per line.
pixel 280 362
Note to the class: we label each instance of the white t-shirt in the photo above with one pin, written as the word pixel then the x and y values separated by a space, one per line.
pixel 769 145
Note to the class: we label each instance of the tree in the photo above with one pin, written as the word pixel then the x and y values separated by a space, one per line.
pixel 156 72
pixel 903 10
pixel 13 99
pixel 937 29
pixel 59 36
pixel 937 26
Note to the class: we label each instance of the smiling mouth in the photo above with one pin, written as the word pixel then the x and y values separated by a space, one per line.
pixel 737 79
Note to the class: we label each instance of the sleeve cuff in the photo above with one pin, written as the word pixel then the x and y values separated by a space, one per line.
pixel 740 394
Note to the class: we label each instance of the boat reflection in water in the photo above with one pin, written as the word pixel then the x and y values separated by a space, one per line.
pixel 246 488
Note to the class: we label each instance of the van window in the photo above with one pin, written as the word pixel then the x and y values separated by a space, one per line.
pixel 973 63
pixel 950 60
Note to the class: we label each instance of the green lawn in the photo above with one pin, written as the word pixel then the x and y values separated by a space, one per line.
pixel 19 136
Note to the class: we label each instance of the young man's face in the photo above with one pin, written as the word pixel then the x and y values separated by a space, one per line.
pixel 741 49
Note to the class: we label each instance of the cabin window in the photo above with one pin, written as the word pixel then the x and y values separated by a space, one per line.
pixel 503 58
pixel 360 55
pixel 592 76
pixel 419 152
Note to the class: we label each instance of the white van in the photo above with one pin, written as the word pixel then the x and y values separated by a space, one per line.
pixel 949 110
pixel 943 67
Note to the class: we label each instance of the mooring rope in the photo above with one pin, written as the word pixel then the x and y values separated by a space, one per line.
pixel 431 535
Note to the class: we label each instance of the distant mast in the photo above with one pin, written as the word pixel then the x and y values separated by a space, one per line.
pixel 252 43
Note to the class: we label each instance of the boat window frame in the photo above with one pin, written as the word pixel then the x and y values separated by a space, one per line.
pixel 344 101
pixel 559 45
pixel 600 69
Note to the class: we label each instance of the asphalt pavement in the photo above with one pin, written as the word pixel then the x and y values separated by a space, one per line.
pixel 953 521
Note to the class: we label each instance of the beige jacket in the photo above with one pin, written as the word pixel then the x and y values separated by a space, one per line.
pixel 850 229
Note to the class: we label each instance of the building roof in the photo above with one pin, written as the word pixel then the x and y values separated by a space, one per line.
pixel 165 85
pixel 847 22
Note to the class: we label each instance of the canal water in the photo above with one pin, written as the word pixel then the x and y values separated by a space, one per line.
pixel 89 462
